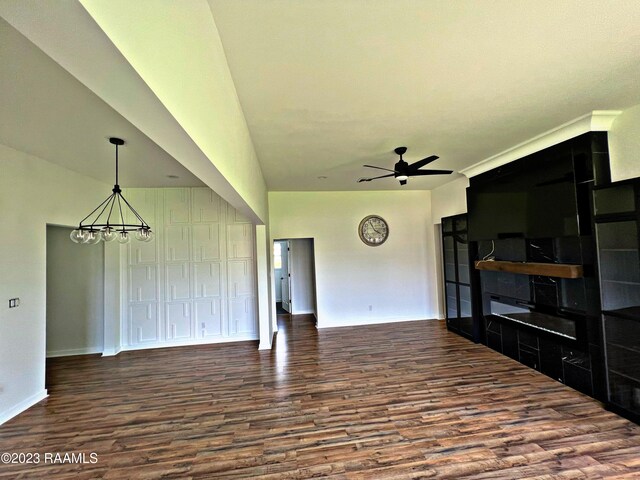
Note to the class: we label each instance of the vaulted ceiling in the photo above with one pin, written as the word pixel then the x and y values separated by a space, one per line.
pixel 326 86
pixel 48 113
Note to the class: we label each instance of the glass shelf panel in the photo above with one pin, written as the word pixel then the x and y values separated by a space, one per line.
pixel 447 225
pixel 623 360
pixel 449 259
pixel 452 303
pixel 460 224
pixel 463 262
pixel 619 262
pixel 619 199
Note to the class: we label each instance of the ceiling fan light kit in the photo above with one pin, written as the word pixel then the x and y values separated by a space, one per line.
pixel 107 221
pixel 402 170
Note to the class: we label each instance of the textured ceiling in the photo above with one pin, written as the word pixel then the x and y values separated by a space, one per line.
pixel 327 86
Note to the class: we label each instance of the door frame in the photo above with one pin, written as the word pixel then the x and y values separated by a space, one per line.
pixel 286 280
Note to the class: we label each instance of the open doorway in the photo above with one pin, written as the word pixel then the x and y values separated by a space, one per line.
pixel 75 295
pixel 295 276
pixel 282 275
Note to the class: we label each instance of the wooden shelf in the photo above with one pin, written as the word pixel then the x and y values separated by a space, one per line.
pixel 560 270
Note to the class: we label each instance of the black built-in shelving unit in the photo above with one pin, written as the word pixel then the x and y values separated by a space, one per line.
pixel 617 228
pixel 551 324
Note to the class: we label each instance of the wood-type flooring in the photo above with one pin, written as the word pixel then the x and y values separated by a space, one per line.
pixel 394 401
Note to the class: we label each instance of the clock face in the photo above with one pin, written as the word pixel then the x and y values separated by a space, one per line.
pixel 373 230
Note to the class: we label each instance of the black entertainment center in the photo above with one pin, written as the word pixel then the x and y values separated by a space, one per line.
pixel 555 271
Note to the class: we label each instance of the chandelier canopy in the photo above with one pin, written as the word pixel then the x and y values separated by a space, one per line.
pixel 108 221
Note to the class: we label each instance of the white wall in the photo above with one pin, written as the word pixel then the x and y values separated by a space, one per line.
pixel 75 295
pixel 302 276
pixel 624 145
pixel 449 199
pixel 264 292
pixel 196 282
pixel 112 338
pixel 397 279
pixel 33 193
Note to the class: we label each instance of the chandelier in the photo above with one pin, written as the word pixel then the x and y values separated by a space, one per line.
pixel 107 221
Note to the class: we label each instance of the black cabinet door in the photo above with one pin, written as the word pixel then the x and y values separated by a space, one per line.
pixel 457 276
pixel 578 378
pixel 494 334
pixel 510 341
pixel 494 341
pixel 466 317
pixel 551 359
pixel 623 361
pixel 449 257
pixel 451 291
pixel 462 252
pixel 528 348
pixel 576 366
pixel 530 358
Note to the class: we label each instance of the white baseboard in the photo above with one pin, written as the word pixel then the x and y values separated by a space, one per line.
pixel 304 312
pixel 73 351
pixel 185 343
pixel 356 322
pixel 22 406
pixel 111 352
pixel 264 346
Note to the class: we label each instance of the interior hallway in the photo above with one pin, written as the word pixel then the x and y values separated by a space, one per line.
pixel 395 401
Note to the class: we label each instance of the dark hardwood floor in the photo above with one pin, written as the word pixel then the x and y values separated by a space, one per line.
pixel 280 310
pixel 407 400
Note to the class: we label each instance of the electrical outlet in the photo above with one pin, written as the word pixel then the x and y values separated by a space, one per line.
pixel 14 302
pixel 370 308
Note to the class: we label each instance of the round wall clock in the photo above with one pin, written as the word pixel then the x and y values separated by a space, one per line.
pixel 373 230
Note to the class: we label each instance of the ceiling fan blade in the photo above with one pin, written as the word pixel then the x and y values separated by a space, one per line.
pixel 423 162
pixel 429 172
pixel 380 168
pixel 374 178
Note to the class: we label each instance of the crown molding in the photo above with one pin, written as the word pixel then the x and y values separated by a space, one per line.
pixel 596 121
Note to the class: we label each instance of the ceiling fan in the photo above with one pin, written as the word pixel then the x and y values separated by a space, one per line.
pixel 402 170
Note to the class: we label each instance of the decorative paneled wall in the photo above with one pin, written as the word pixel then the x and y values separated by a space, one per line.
pixel 195 283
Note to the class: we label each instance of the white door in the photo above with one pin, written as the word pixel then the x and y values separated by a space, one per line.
pixel 285 277
pixel 278 248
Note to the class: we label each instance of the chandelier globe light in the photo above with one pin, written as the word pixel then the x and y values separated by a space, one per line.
pixel 108 221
